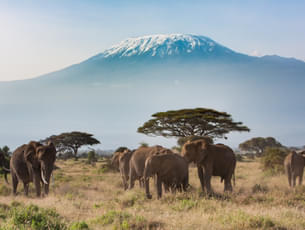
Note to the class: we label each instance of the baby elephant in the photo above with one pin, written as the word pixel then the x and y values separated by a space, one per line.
pixel 294 167
pixel 170 169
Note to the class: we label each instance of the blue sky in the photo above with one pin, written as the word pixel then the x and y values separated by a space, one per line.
pixel 42 36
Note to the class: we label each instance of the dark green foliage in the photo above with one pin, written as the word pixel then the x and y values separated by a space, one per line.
pixel 92 158
pixel 144 144
pixel 239 157
pixel 4 160
pixel 273 159
pixel 30 217
pixel 79 226
pixel 191 122
pixel 72 141
pixel 258 144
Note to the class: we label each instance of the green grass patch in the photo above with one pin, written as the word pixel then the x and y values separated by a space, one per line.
pixel 18 216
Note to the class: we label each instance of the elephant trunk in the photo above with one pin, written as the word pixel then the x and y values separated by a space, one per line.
pixel 5 177
pixel 37 179
pixel 46 172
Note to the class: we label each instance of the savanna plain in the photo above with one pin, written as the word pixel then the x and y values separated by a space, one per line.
pixel 86 196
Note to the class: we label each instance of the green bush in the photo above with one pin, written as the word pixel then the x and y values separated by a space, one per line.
pixel 18 216
pixel 273 160
pixel 239 157
pixel 79 226
pixel 92 157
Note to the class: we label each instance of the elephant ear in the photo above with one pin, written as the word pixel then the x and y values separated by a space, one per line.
pixel 302 153
pixel 46 152
pixel 30 153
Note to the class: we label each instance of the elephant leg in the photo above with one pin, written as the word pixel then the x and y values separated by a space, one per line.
pixel 26 188
pixel 132 178
pixel 179 187
pixel 289 177
pixel 125 184
pixel 14 183
pixel 208 183
pixel 185 184
pixel 201 177
pixel 166 187
pixel 159 187
pixel 294 177
pixel 228 185
pixel 301 178
pixel 141 182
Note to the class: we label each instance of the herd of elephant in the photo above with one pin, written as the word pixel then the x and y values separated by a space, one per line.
pixel 171 169
pixel 34 162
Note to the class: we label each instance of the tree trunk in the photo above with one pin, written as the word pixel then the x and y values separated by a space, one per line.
pixel 75 153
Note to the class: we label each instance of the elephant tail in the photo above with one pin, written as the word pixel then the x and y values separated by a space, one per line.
pixel 234 178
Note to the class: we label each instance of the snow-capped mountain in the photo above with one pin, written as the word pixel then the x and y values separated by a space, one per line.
pixel 164 45
pixel 112 93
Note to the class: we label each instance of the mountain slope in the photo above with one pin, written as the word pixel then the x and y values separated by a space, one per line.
pixel 114 92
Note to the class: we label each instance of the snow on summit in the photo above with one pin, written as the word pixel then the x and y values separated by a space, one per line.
pixel 162 45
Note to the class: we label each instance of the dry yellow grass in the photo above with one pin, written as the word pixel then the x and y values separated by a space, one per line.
pixel 82 192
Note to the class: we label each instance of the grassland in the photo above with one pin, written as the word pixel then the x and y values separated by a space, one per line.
pixel 92 197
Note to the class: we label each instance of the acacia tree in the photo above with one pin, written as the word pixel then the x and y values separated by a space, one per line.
pixel 72 141
pixel 199 122
pixel 258 144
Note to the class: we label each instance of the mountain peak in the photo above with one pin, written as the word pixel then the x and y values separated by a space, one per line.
pixel 163 45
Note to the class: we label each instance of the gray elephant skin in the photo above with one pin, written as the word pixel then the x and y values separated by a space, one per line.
pixel 137 162
pixel 33 162
pixel 211 160
pixel 170 169
pixel 294 167
pixel 124 159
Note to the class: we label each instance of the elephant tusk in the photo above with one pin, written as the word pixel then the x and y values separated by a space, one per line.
pixel 43 178
pixel 6 169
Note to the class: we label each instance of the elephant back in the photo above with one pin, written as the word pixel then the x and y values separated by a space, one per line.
pixel 137 161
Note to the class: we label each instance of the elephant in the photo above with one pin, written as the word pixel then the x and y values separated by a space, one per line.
pixel 211 160
pixel 170 169
pixel 124 159
pixel 33 162
pixel 137 162
pixel 4 165
pixel 294 167
pixel 115 158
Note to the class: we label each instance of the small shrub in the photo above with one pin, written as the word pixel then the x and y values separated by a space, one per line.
pixel 239 157
pixel 273 160
pixel 79 226
pixel 261 222
pixel 123 220
pixel 19 216
pixel 185 204
pixel 259 188
pixel 143 144
pixel 91 157
pixel 4 190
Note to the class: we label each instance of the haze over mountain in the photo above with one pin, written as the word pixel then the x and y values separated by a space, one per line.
pixel 112 93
